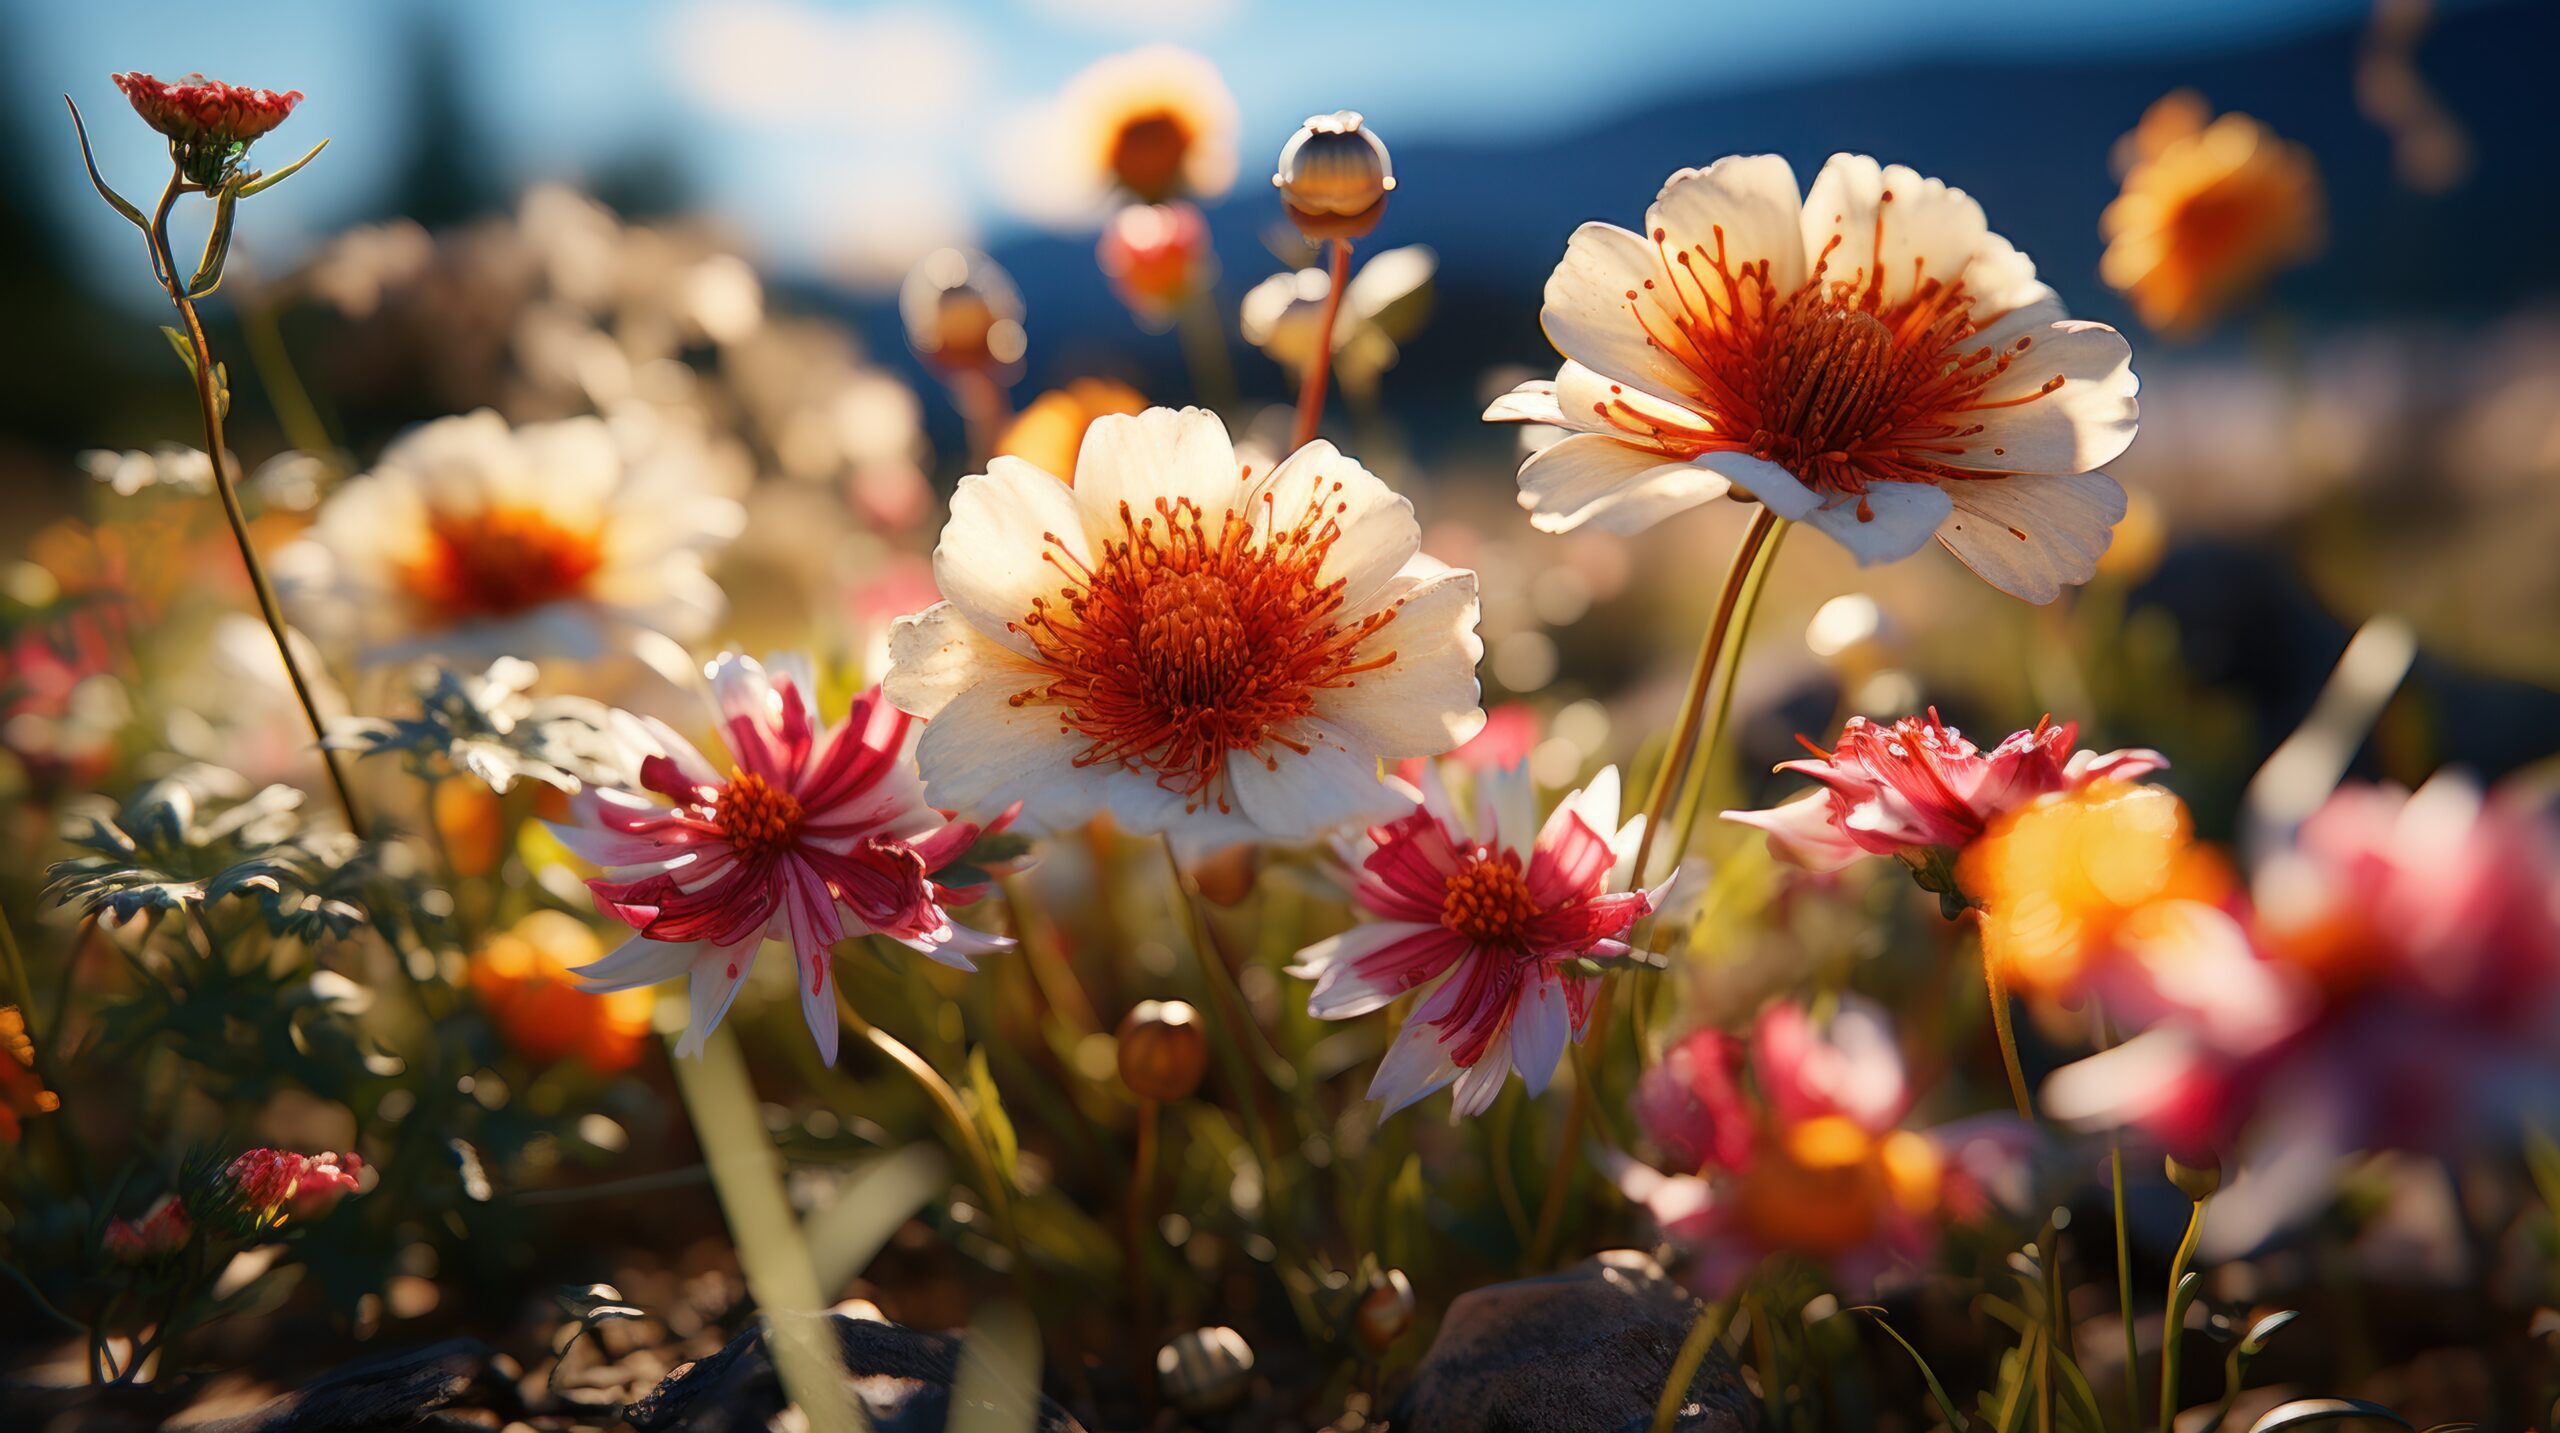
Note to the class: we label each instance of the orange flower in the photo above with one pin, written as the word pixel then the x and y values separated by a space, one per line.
pixel 2209 212
pixel 1049 433
pixel 2066 882
pixel 523 978
pixel 22 1091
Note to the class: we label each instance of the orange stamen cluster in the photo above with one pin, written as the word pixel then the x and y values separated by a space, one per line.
pixel 1185 643
pixel 756 817
pixel 1488 900
pixel 1830 382
pixel 500 561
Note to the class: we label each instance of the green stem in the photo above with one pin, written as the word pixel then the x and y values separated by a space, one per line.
pixel 1693 704
pixel 2171 1328
pixel 1204 351
pixel 1711 737
pixel 209 408
pixel 964 1128
pixel 2124 1255
pixel 1998 994
pixel 1703 1332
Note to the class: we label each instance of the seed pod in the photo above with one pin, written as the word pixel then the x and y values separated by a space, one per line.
pixel 962 311
pixel 2197 1176
pixel 1385 1312
pixel 1205 1371
pixel 1163 1052
pixel 1334 177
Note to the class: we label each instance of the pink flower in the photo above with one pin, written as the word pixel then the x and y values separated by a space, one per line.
pixel 1509 733
pixel 196 110
pixel 2411 944
pixel 1810 1161
pixel 277 1184
pixel 163 1232
pixel 1497 913
pixel 1903 789
pixel 816 833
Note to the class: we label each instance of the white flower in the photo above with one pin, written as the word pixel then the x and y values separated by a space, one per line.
pixel 1869 358
pixel 1154 123
pixel 1195 648
pixel 478 540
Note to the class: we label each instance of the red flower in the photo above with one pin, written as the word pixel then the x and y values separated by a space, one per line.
pixel 1156 257
pixel 1903 789
pixel 816 833
pixel 162 1232
pixel 278 1184
pixel 1499 909
pixel 198 111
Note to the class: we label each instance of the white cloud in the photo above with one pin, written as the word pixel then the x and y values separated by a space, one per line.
pixel 785 63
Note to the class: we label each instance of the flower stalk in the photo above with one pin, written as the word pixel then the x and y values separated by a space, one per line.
pixel 2172 1327
pixel 1319 367
pixel 1677 755
pixel 964 1128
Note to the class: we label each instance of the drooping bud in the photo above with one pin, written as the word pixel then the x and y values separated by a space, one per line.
pixel 962 311
pixel 1163 1052
pixel 1334 177
pixel 2197 1176
pixel 1156 257
pixel 161 1233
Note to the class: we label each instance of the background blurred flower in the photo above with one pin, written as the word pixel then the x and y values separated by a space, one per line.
pixel 1049 432
pixel 1869 358
pixel 22 1091
pixel 1157 256
pixel 1155 123
pixel 1383 305
pixel 481 540
pixel 962 312
pixel 525 978
pixel 159 1234
pixel 1195 649
pixel 2211 208
pixel 1496 909
pixel 818 832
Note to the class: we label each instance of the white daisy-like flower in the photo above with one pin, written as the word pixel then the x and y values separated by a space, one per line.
pixel 1196 648
pixel 479 540
pixel 1869 358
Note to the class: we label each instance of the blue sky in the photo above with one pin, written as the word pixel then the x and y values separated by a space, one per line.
pixel 835 136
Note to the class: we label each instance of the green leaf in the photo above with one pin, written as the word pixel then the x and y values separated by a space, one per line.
pixel 2256 1339
pixel 114 200
pixel 1937 1390
pixel 1001 1141
pixel 265 182
pixel 186 350
pixel 2304 1411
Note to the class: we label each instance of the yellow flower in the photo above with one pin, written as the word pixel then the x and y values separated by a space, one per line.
pixel 1048 434
pixel 2211 209
pixel 524 978
pixel 2065 881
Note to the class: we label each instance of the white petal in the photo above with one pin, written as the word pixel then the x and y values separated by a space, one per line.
pixel 2085 423
pixel 1507 808
pixel 1426 703
pixel 1415 1065
pixel 1162 453
pixel 1481 1083
pixel 1753 198
pixel 939 653
pixel 2031 536
pixel 1597 803
pixel 818 1007
pixel 1590 478
pixel 981 753
pixel 1298 798
pixel 994 556
pixel 718 974
pixel 1601 302
pixel 1900 518
pixel 2003 283
pixel 1379 534
pixel 637 962
pixel 1777 489
pixel 1342 992
pixel 1928 230
pixel 1540 1025
pixel 1531 402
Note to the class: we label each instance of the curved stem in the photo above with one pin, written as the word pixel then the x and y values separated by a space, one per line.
pixel 1311 391
pixel 209 407
pixel 2173 1327
pixel 1676 756
pixel 1142 1184
pixel 2124 1253
pixel 964 1127
pixel 1998 994
pixel 1703 1332
pixel 1693 798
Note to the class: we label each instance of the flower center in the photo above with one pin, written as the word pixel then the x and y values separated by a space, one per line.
pixel 1147 153
pixel 755 817
pixel 1488 901
pixel 501 561
pixel 1185 644
pixel 1829 381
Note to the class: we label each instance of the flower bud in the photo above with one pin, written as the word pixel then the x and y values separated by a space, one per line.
pixel 1385 1312
pixel 1163 1051
pixel 1156 256
pixel 1334 177
pixel 162 1233
pixel 2197 1176
pixel 962 311
pixel 210 124
pixel 1205 1371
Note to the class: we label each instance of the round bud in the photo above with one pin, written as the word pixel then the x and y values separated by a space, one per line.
pixel 1205 1371
pixel 962 311
pixel 1163 1052
pixel 2197 1176
pixel 1156 256
pixel 1385 1312
pixel 1334 177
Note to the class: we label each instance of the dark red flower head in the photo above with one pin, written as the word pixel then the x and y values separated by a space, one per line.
pixel 208 122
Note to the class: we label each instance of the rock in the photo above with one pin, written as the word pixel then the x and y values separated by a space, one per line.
pixel 1586 1350
pixel 902 1375
pixel 383 1394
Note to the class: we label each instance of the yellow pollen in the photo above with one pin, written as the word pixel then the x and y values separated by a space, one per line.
pixel 1488 901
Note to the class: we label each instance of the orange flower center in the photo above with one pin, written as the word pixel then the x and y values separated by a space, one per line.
pixel 1184 644
pixel 755 817
pixel 1830 382
pixel 500 561
pixel 1488 900
pixel 1147 153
